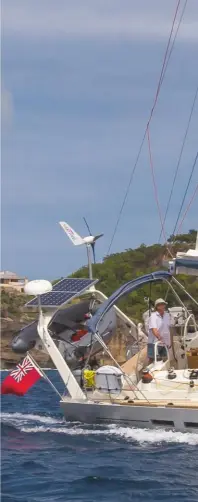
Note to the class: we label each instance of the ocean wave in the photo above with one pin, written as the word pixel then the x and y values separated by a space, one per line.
pixel 30 423
pixel 154 435
pixel 26 417
pixel 138 435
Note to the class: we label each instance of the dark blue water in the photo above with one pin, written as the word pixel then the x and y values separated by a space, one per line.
pixel 46 459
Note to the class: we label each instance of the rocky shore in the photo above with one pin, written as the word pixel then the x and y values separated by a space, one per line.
pixel 9 359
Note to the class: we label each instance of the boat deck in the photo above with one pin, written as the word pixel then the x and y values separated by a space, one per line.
pixel 138 402
pixel 165 404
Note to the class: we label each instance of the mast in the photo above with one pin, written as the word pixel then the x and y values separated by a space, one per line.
pixel 88 246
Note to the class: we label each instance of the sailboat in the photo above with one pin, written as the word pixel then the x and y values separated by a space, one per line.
pixel 164 393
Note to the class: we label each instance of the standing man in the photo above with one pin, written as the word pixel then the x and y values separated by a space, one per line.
pixel 159 330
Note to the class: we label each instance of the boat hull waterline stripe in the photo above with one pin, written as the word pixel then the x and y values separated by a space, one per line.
pixel 181 419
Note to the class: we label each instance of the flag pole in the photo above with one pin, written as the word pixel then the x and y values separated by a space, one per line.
pixel 44 375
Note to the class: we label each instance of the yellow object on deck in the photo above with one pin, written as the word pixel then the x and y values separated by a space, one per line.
pixel 89 378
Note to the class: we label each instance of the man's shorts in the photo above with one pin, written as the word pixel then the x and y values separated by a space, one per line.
pixel 161 351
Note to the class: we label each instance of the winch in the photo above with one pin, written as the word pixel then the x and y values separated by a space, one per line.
pixel 171 374
pixel 193 375
pixel 146 376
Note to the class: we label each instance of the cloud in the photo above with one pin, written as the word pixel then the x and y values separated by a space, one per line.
pixel 122 19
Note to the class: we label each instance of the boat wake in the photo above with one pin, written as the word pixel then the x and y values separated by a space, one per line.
pixel 30 423
pixel 25 418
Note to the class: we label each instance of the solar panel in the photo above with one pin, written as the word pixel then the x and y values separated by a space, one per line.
pixel 62 292
pixel 51 299
pixel 74 285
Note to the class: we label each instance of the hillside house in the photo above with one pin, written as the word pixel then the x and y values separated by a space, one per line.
pixel 10 280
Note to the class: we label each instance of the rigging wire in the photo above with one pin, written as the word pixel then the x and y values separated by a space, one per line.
pixel 185 193
pixel 167 55
pixel 155 189
pixel 179 159
pixel 187 209
pixel 174 39
pixel 166 59
pixel 154 182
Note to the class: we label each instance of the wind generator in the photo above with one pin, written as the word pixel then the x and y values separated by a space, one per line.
pixel 88 241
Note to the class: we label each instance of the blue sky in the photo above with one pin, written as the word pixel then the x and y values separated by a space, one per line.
pixel 79 78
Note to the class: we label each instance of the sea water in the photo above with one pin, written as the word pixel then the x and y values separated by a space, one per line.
pixel 46 459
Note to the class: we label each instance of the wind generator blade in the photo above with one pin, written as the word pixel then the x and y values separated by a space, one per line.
pixel 73 236
pixel 98 237
pixel 87 225
pixel 93 249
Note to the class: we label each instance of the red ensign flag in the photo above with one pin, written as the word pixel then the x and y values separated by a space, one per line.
pixel 21 379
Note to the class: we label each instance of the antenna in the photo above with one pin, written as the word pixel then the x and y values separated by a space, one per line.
pixel 38 288
pixel 77 240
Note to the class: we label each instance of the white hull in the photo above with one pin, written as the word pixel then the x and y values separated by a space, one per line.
pixel 146 416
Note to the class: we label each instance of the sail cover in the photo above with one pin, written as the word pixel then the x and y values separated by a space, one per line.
pixel 186 266
pixel 123 290
pixel 187 263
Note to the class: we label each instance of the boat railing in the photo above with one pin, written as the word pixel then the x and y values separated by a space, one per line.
pixel 191 318
pixel 156 352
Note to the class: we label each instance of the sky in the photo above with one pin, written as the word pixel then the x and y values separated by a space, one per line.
pixel 78 82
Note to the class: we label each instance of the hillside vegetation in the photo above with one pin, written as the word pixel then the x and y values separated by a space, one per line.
pixel 12 304
pixel 115 270
pixel 119 268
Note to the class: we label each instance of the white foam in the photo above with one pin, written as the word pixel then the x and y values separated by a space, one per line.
pixel 22 417
pixel 154 435
pixel 139 435
pixel 64 430
pixel 142 436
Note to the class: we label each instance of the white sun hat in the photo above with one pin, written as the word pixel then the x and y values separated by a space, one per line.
pixel 159 301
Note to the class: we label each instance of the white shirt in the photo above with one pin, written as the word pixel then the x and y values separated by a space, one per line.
pixel 163 326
